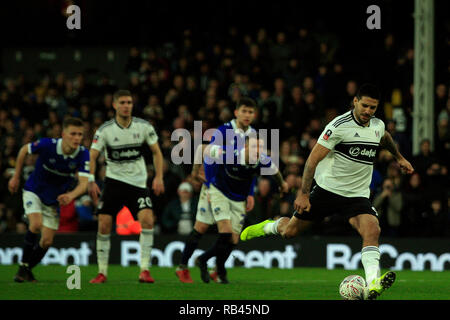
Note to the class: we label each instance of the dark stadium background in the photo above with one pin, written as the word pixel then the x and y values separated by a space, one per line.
pixel 40 25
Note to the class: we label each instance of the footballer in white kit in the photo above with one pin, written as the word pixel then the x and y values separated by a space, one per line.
pixel 341 163
pixel 123 140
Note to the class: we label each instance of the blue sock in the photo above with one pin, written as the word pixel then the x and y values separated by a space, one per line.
pixel 30 242
pixel 190 246
pixel 36 257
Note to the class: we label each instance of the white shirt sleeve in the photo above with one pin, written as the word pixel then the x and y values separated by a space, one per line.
pixel 330 137
pixel 150 135
pixel 98 142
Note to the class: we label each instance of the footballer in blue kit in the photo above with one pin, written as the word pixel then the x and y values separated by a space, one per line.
pixel 230 180
pixel 60 163
pixel 231 134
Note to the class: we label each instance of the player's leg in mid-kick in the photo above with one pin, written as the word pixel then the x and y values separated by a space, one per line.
pixel 284 226
pixel 368 227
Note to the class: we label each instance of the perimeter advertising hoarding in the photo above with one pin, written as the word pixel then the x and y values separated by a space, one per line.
pixel 330 252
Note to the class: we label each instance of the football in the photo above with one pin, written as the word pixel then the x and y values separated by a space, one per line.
pixel 353 287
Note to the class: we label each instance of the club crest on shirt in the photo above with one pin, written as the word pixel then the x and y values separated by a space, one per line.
pixel 327 134
pixel 72 165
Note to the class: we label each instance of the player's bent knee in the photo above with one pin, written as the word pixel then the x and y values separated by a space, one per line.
pixel 35 227
pixel 46 243
pixel 104 228
pixel 145 218
pixel 104 224
pixel 147 224
pixel 201 227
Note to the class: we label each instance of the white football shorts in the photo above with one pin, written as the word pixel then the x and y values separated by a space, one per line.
pixel 224 208
pixel 32 204
pixel 204 213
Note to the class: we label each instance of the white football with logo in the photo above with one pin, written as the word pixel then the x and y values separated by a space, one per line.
pixel 353 287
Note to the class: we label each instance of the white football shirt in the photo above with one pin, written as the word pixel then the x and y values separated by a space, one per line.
pixel 123 149
pixel 347 168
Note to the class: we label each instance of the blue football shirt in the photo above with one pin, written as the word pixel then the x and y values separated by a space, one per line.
pixel 230 138
pixel 235 179
pixel 54 172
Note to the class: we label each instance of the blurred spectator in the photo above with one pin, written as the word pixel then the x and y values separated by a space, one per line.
pixel 436 181
pixel 443 132
pixel 350 92
pixel 435 219
pixel 280 52
pixel 301 79
pixel 295 114
pixel 279 96
pixel 267 110
pixel 68 219
pixel 389 204
pixel 400 138
pixel 84 207
pixel 441 97
pixel 415 203
pixel 424 159
pixel 179 214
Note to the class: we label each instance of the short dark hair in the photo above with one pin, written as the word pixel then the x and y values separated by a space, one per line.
pixel 71 121
pixel 246 101
pixel 121 93
pixel 368 90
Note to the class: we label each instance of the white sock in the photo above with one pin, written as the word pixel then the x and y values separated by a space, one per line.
pixel 146 242
pixel 370 258
pixel 103 247
pixel 271 227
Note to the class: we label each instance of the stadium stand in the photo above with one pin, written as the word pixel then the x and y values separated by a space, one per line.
pixel 300 77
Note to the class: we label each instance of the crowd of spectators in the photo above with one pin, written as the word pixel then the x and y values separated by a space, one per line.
pixel 299 81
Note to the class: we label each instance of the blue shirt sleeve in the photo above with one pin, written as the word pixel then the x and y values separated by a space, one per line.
pixel 219 136
pixel 252 187
pixel 39 145
pixel 83 168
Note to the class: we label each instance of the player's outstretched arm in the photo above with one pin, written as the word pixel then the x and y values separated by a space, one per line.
pixel 14 182
pixel 158 183
pixel 388 143
pixel 66 198
pixel 284 188
pixel 93 189
pixel 198 162
pixel 317 154
pixel 213 151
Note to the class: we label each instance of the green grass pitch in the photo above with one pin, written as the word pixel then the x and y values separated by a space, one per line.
pixel 245 284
